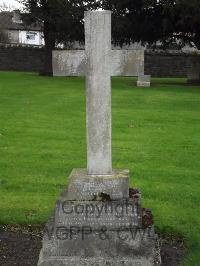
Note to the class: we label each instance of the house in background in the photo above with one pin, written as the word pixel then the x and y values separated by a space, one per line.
pixel 18 32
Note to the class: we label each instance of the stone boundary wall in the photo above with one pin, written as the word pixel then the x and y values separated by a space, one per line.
pixel 157 63
pixel 167 63
pixel 19 58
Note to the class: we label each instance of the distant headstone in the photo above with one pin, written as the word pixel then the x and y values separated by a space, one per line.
pixel 194 69
pixel 98 220
pixel 144 81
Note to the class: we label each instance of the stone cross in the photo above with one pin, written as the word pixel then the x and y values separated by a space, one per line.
pixel 98 62
pixel 95 217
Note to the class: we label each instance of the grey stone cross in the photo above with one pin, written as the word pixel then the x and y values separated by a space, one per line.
pixel 95 217
pixel 98 63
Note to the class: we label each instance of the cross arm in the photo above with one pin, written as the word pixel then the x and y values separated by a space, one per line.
pixel 74 62
pixel 69 63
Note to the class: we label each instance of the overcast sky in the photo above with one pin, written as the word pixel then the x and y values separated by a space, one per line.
pixel 13 3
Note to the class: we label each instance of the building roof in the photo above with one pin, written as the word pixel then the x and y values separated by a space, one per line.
pixel 12 21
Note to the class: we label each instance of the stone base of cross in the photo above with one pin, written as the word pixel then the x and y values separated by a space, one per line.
pixel 98 220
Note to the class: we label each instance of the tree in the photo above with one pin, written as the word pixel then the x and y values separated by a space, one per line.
pixel 134 20
pixel 181 21
pixel 145 21
pixel 62 20
pixel 55 15
pixel 149 21
pixel 188 21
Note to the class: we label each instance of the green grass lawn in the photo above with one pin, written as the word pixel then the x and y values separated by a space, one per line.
pixel 156 134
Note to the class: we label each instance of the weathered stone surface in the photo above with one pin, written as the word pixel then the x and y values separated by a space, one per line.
pixel 87 187
pixel 60 261
pixel 98 62
pixel 98 92
pixel 64 244
pixel 122 63
pixel 82 242
pixel 96 214
pixel 69 63
pixel 78 234
pixel 127 62
pixel 144 81
pixel 120 250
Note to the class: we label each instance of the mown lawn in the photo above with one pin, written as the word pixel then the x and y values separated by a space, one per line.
pixel 156 134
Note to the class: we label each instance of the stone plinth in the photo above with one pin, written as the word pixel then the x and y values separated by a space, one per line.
pixel 97 214
pixel 100 230
pixel 78 248
pixel 88 187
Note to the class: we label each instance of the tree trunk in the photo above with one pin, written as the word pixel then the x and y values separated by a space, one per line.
pixel 49 38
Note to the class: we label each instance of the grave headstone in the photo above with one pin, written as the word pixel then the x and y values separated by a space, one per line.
pixel 193 74
pixel 98 220
pixel 144 81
